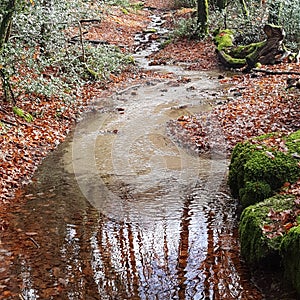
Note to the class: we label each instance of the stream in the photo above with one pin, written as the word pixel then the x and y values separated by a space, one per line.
pixel 121 211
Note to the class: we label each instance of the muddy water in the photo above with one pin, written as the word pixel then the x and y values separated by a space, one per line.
pixel 120 211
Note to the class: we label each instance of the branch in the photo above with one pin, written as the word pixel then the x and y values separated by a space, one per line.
pixel 270 72
pixel 8 122
pixel 89 20
pixel 81 41
pixel 95 42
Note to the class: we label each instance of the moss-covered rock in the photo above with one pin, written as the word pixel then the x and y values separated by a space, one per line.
pixel 259 167
pixel 260 235
pixel 290 250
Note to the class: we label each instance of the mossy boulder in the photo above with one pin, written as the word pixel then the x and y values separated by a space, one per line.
pixel 290 250
pixel 261 166
pixel 261 230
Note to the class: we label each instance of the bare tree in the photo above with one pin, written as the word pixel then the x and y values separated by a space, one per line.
pixel 202 17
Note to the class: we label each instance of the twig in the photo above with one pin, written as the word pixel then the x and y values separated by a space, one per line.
pixel 89 20
pixel 34 242
pixel 270 72
pixel 8 122
pixel 81 41
pixel 96 42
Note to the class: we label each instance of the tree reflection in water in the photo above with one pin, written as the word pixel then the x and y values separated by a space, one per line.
pixel 78 253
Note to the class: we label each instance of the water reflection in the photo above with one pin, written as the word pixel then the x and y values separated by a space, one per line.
pixel 83 254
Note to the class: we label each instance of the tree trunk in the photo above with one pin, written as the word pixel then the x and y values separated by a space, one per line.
pixel 221 4
pixel 6 22
pixel 5 27
pixel 202 17
pixel 275 9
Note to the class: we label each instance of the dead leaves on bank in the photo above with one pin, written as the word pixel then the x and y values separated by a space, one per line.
pixel 280 222
pixel 198 55
pixel 261 104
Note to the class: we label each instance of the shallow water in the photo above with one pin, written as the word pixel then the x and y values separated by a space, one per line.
pixel 119 211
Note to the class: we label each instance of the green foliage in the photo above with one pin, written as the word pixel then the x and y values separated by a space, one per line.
pixel 123 3
pixel 21 113
pixel 288 16
pixel 185 28
pixel 256 171
pixel 185 3
pixel 39 45
pixel 105 60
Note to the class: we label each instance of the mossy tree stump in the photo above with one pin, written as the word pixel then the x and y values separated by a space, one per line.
pixel 265 52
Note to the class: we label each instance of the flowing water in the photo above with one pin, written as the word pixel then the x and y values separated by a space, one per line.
pixel 120 211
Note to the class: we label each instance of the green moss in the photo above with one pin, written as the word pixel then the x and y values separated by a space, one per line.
pixel 239 156
pixel 243 51
pixel 252 57
pixel 254 192
pixel 290 249
pixel 23 114
pixel 293 142
pixel 256 247
pixel 124 11
pixel 232 61
pixel 257 171
pixel 224 39
pixel 236 56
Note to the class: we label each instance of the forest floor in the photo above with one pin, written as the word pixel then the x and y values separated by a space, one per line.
pixel 255 104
